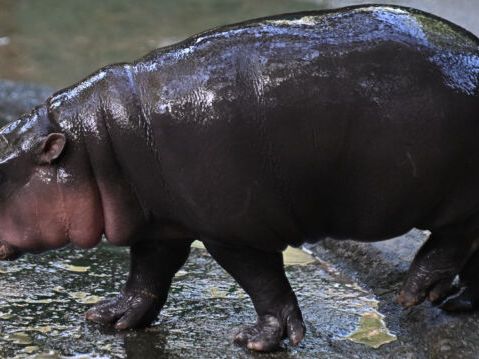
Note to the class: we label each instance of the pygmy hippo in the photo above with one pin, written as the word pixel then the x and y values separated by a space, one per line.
pixel 359 123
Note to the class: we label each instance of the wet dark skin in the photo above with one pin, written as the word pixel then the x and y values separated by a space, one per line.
pixel 357 123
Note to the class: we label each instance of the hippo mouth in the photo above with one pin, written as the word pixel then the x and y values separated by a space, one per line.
pixel 8 253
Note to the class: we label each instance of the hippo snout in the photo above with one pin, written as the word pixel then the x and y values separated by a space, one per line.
pixel 8 253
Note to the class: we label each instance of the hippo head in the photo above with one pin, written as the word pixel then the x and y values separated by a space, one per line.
pixel 48 196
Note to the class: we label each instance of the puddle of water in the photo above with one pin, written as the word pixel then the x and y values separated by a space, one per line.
pixel 42 306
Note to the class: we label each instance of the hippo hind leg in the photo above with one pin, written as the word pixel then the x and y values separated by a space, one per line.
pixel 152 267
pixel 467 297
pixel 437 263
pixel 261 274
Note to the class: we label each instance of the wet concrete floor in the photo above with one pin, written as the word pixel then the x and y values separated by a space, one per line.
pixel 43 299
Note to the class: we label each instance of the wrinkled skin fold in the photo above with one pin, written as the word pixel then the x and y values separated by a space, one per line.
pixel 359 123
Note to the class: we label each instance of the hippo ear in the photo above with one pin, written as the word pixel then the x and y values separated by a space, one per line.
pixel 51 147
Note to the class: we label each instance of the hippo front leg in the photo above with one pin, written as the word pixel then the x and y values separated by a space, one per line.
pixel 152 267
pixel 261 274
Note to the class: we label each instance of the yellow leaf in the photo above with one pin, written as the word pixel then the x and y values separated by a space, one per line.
pixel 48 355
pixel 372 331
pixel 216 293
pixel 291 256
pixel 38 301
pixel 85 298
pixel 31 349
pixel 5 316
pixel 197 244
pixel 181 273
pixel 72 268
pixel 43 329
pixel 19 338
pixel 10 269
pixel 295 256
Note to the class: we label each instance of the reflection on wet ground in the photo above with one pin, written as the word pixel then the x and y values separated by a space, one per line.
pixel 43 299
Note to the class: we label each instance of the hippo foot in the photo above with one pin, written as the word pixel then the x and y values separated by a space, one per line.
pixel 467 297
pixel 439 261
pixel 435 292
pixel 128 310
pixel 268 332
pixel 465 300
